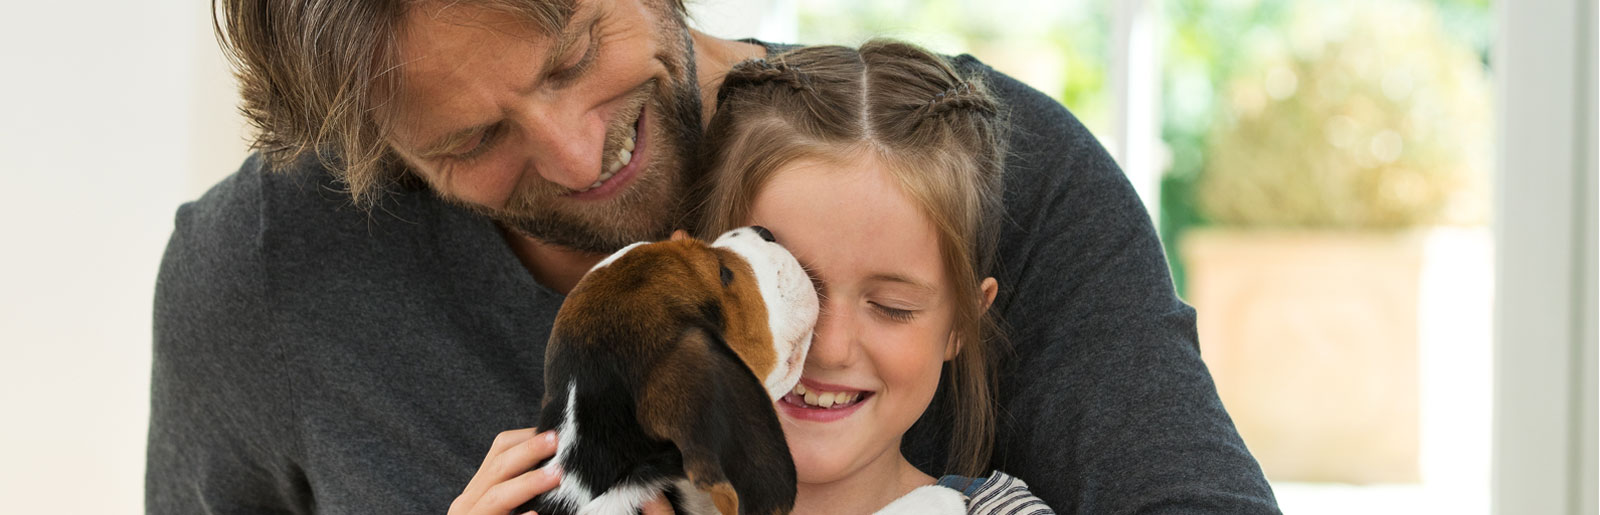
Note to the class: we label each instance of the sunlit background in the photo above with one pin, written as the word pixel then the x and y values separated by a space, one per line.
pixel 1322 174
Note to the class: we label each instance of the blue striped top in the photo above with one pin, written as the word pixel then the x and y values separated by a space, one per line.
pixel 998 494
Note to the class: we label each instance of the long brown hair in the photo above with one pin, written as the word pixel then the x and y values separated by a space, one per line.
pixel 938 131
pixel 314 75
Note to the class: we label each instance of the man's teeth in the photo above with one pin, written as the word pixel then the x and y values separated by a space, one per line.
pixel 623 157
pixel 826 399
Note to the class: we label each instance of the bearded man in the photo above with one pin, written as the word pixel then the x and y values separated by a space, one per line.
pixel 343 324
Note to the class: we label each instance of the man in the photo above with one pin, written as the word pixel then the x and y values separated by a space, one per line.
pixel 343 325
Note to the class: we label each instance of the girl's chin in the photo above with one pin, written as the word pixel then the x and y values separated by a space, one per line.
pixel 821 471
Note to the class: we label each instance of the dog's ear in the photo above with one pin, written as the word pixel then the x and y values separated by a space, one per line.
pixel 708 403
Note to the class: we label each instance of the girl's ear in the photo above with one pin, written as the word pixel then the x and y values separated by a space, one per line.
pixel 990 287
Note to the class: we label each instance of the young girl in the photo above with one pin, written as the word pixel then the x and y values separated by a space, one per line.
pixel 879 168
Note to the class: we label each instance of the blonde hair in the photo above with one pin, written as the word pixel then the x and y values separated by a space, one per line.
pixel 938 132
pixel 314 75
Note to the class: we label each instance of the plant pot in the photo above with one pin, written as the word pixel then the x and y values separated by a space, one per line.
pixel 1312 339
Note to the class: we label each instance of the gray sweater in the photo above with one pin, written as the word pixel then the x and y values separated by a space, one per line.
pixel 313 357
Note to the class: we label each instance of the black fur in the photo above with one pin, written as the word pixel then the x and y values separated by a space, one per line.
pixel 736 437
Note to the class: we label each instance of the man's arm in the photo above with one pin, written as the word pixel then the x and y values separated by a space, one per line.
pixel 1106 406
pixel 220 414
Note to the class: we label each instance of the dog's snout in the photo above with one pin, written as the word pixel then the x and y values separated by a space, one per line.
pixel 764 233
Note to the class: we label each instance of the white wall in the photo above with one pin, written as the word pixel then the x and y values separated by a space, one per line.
pixel 106 125
pixel 111 114
pixel 1544 430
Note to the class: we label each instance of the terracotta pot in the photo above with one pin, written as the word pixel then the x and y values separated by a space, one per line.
pixel 1312 338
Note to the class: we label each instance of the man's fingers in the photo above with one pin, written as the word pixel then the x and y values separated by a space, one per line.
pixel 507 439
pixel 509 494
pixel 519 458
pixel 513 453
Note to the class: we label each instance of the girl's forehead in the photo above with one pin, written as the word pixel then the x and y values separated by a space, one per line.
pixel 850 219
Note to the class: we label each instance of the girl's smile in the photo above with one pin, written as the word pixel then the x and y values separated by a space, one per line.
pixel 821 402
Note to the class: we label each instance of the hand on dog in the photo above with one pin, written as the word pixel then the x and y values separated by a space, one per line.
pixel 506 479
pixel 657 506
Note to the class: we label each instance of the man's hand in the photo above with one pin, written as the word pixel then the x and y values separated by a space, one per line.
pixel 506 479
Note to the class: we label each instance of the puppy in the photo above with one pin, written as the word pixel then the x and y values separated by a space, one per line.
pixel 661 372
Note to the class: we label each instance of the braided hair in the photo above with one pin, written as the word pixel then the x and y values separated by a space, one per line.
pixel 939 132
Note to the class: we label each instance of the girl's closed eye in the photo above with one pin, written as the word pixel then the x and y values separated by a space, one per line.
pixel 895 314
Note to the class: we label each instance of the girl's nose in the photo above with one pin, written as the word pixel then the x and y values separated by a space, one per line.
pixel 833 341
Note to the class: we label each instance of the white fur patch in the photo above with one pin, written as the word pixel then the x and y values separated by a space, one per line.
pixel 791 304
pixel 694 501
pixel 928 500
pixel 614 255
pixel 622 499
pixel 571 492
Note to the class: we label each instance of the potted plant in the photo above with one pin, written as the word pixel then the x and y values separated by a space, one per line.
pixel 1348 138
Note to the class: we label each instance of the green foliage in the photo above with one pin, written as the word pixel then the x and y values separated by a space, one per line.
pixel 1059 48
pixel 1355 115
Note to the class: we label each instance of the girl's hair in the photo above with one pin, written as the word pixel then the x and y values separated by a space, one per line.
pixel 939 134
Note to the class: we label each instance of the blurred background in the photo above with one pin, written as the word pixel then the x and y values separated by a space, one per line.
pixel 1353 195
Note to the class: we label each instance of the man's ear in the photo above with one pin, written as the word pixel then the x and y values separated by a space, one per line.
pixel 732 444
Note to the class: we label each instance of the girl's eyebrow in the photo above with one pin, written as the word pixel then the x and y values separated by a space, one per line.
pixel 902 279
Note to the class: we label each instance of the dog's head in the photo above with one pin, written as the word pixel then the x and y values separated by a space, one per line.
pixel 706 337
pixel 744 287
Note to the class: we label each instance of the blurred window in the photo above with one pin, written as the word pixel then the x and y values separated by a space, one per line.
pixel 1323 172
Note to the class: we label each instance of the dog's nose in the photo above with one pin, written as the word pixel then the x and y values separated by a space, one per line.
pixel 765 234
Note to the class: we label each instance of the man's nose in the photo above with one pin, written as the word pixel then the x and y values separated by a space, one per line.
pixel 566 145
pixel 833 341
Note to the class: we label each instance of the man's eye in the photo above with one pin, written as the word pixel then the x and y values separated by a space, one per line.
pixel 476 146
pixel 574 66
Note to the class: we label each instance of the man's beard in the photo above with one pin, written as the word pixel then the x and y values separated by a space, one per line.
pixel 655 200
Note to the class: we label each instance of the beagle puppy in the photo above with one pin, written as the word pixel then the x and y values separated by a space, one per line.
pixel 661 373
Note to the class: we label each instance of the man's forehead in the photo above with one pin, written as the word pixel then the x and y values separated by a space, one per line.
pixel 547 17
pixel 446 49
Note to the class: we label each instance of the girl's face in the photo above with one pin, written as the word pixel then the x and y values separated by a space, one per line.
pixel 887 313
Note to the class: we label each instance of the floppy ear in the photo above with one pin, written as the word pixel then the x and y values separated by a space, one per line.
pixel 706 402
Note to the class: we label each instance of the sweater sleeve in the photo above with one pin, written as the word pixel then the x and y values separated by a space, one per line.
pixel 220 418
pixel 1106 406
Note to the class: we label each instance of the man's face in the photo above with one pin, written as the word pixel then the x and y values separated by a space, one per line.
pixel 578 139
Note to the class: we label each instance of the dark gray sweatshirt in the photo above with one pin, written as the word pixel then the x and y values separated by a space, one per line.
pixel 313 357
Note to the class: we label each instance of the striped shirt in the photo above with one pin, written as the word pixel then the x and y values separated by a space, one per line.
pixel 998 494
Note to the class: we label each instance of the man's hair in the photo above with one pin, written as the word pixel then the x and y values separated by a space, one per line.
pixel 938 133
pixel 315 76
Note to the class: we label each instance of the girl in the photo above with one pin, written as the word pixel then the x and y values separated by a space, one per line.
pixel 879 168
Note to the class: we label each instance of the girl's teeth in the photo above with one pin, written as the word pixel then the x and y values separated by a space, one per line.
pixel 825 400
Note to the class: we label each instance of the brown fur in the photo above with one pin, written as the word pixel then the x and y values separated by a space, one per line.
pixel 663 313
pixel 683 275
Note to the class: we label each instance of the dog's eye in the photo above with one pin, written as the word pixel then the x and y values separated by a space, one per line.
pixel 727 276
